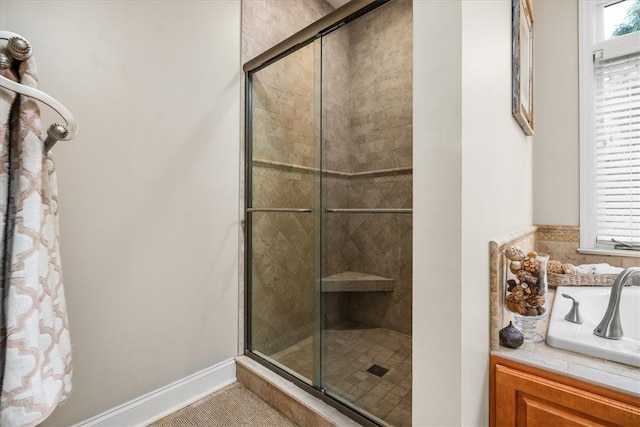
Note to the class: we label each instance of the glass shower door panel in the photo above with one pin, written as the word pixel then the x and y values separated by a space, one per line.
pixel 280 214
pixel 367 216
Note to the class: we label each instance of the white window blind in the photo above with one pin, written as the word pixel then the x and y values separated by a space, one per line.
pixel 617 147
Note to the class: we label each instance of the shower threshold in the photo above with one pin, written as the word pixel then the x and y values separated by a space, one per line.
pixel 353 281
pixel 364 367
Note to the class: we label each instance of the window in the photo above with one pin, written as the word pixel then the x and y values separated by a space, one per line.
pixel 609 125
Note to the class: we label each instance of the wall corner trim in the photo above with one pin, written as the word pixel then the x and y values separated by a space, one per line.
pixel 159 403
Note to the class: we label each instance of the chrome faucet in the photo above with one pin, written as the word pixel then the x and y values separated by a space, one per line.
pixel 610 326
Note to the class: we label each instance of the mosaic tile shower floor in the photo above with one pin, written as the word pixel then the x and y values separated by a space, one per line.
pixel 348 355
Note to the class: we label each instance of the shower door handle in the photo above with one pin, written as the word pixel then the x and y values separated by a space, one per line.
pixel 370 211
pixel 290 210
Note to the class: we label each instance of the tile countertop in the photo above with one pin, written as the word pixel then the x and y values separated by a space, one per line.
pixel 616 376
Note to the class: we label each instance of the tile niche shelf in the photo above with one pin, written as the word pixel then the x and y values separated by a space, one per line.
pixel 352 281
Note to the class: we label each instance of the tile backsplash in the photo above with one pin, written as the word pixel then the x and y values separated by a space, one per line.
pixel 561 242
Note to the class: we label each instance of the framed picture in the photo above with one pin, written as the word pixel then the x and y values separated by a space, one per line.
pixel 522 64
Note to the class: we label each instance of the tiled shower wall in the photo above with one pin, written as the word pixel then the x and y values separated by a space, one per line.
pixel 283 264
pixel 266 23
pixel 367 147
pixel 379 244
pixel 382 88
pixel 378 145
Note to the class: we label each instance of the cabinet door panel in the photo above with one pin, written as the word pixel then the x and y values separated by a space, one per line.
pixel 533 411
pixel 523 400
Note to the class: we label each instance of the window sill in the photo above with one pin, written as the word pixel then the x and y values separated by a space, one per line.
pixel 610 252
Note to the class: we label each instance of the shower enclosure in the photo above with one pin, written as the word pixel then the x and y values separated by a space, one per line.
pixel 328 210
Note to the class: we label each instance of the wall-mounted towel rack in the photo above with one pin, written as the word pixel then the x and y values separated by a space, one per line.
pixel 18 47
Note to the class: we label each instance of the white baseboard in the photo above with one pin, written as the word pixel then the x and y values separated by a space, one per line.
pixel 159 403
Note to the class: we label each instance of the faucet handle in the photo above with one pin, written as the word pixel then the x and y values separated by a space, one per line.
pixel 574 314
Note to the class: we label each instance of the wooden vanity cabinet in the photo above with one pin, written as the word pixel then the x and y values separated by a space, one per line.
pixel 521 395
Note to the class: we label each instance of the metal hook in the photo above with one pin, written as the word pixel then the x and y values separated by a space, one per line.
pixel 55 133
pixel 19 48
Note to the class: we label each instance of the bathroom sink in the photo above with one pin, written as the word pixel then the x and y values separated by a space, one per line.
pixel 593 303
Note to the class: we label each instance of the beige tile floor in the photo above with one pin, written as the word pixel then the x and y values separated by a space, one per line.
pixel 347 354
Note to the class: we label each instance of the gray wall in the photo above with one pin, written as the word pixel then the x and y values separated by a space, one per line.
pixel 556 177
pixel 148 196
pixel 466 145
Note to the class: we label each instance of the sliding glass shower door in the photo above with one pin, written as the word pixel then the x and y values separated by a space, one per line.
pixel 283 201
pixel 329 218
pixel 367 216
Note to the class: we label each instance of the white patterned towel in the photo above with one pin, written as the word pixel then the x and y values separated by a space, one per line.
pixel 35 351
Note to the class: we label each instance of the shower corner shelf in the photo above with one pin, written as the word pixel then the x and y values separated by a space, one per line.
pixel 353 281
